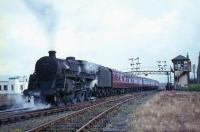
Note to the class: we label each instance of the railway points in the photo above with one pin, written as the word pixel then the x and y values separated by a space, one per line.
pixel 41 119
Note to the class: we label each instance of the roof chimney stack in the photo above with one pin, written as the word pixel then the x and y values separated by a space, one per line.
pixel 52 54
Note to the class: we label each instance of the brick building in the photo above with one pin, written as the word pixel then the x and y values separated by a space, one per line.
pixel 182 68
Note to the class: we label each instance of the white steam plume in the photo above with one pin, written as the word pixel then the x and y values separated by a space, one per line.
pixel 90 67
pixel 93 83
pixel 47 17
pixel 19 101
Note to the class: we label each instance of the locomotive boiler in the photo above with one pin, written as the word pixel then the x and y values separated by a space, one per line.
pixel 60 81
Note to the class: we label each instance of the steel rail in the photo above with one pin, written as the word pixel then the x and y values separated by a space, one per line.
pixel 73 114
pixel 91 122
pixel 14 110
pixel 13 117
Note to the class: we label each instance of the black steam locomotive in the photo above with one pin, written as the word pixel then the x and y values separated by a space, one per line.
pixel 61 81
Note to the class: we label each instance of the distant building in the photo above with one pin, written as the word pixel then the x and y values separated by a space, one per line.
pixel 198 70
pixel 13 85
pixel 182 69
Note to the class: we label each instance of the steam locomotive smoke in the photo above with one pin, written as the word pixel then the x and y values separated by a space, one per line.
pixel 47 17
pixel 91 67
pixel 21 102
pixel 93 83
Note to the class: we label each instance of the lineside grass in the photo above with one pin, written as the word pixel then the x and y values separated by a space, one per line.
pixel 194 87
pixel 168 111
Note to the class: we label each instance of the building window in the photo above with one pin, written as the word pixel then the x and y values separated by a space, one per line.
pixel 12 87
pixel 21 87
pixel 5 87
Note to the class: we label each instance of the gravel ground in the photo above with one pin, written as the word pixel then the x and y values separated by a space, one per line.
pixel 31 123
pixel 119 120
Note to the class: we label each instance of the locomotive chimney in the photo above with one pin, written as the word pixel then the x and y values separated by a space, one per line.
pixel 52 54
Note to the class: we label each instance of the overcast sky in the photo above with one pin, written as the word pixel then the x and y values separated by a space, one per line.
pixel 106 32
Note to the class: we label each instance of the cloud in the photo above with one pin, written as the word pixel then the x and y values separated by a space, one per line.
pixel 107 33
pixel 1 43
pixel 46 16
pixel 101 26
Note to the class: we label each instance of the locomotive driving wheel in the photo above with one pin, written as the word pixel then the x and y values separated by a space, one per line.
pixel 57 100
pixel 38 100
pixel 81 96
pixel 72 98
pixel 87 95
pixel 65 100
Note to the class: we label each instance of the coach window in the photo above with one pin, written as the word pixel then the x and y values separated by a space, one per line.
pixel 0 87
pixel 118 77
pixel 115 77
pixel 12 87
pixel 5 87
pixel 21 87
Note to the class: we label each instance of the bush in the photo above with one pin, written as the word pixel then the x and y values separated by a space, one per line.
pixel 193 87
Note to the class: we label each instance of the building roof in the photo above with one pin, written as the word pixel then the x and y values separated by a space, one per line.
pixel 180 57
pixel 5 78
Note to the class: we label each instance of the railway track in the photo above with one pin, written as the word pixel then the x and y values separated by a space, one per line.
pixel 86 118
pixel 23 114
pixel 4 107
pixel 13 111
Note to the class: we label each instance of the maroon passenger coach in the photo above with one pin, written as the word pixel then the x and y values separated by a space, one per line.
pixel 127 80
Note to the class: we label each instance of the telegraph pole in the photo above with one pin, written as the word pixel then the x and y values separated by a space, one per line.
pixel 194 70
